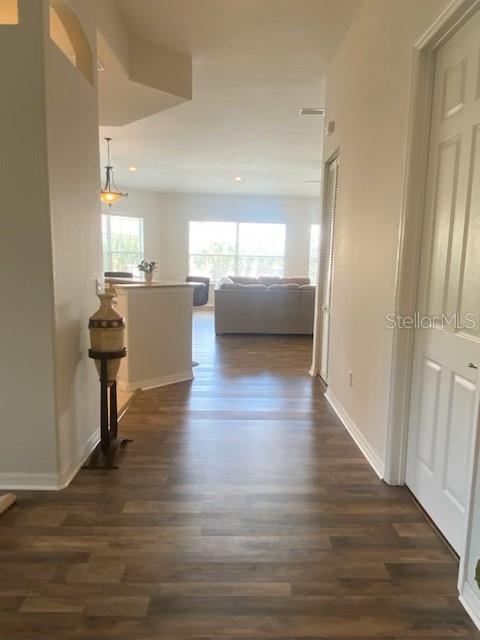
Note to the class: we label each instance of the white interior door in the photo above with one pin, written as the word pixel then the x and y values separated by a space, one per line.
pixel 326 262
pixel 444 396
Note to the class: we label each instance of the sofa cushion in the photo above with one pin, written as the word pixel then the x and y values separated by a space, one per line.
pixel 269 280
pixel 262 282
pixel 243 279
pixel 283 287
pixel 254 286
pixel 243 287
pixel 300 281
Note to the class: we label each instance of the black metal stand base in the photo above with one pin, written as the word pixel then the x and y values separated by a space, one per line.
pixel 105 454
pixel 99 459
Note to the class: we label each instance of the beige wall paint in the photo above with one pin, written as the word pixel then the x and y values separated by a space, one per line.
pixel 166 218
pixel 50 253
pixel 368 93
pixel 142 78
pixel 73 164
pixel 27 430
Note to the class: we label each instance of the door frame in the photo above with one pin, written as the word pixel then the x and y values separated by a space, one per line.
pixel 322 264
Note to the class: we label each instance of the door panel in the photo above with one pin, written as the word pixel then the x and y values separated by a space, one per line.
pixel 444 396
pixel 428 412
pixel 446 188
pixel 454 88
pixel 458 438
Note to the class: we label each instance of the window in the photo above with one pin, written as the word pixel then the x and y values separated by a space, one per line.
pixel 314 252
pixel 218 249
pixel 261 249
pixel 122 242
pixel 212 249
pixel 8 12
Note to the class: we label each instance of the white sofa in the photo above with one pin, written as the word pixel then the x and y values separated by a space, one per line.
pixel 264 305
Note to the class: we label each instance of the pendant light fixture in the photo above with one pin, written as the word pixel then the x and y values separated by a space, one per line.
pixel 110 192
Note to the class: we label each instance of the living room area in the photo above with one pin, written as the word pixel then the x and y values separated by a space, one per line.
pixel 241 246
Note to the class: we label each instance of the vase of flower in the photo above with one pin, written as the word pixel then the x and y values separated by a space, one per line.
pixel 107 332
pixel 147 267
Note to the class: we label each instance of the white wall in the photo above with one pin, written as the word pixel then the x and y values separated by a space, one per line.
pixel 368 88
pixel 50 252
pixel 73 164
pixel 166 218
pixel 27 429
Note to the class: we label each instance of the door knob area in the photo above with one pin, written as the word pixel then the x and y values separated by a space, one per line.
pixel 472 366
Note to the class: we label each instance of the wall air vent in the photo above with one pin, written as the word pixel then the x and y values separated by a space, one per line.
pixel 311 111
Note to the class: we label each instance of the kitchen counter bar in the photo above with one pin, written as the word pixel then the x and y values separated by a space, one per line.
pixel 158 334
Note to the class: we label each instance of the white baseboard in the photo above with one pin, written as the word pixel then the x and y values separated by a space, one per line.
pixel 29 481
pixel 360 440
pixel 68 474
pixel 153 383
pixel 471 603
pixel 48 481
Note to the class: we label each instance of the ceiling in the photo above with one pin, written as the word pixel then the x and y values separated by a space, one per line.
pixel 255 63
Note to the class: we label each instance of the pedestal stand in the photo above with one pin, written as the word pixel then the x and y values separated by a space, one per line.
pixel 104 454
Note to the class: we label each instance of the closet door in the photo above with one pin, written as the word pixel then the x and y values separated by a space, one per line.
pixel 447 351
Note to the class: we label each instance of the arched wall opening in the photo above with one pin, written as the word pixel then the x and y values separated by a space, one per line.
pixel 8 12
pixel 67 33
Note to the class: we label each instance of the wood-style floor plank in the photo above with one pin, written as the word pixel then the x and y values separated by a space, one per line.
pixel 242 510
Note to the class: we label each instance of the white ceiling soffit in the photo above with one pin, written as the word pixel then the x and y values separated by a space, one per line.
pixel 139 78
pixel 256 63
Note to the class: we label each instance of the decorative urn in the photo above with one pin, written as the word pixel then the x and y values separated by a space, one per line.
pixel 107 332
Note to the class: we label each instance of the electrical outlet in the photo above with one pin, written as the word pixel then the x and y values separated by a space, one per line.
pixel 350 378
pixel 99 286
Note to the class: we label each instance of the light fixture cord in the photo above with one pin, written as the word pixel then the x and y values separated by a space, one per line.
pixel 108 149
pixel 108 167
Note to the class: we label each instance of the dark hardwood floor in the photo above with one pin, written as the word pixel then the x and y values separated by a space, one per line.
pixel 242 510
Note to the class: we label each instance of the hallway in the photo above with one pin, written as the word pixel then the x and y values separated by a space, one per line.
pixel 242 509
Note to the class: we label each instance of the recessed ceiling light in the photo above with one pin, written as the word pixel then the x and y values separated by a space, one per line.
pixel 238 178
pixel 311 111
pixel 132 168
